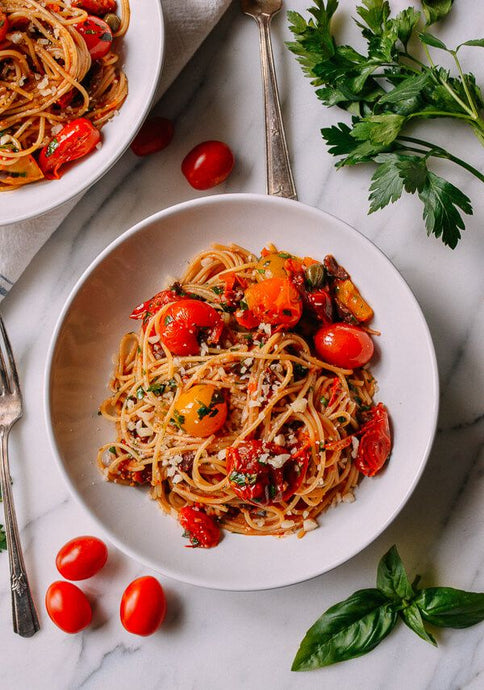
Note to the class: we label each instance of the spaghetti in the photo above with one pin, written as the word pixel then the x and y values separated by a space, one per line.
pixel 57 67
pixel 231 417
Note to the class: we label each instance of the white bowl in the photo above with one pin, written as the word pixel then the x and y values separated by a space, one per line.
pixel 95 317
pixel 142 56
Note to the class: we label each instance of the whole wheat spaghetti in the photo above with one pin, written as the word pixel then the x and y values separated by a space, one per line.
pixel 237 422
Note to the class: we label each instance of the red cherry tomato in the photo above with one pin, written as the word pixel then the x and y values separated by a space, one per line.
pixel 343 345
pixel 265 473
pixel 98 7
pixel 68 607
pixel 78 138
pixel 154 135
pixel 143 606
pixel 208 164
pixel 375 442
pixel 320 305
pixel 98 36
pixel 151 306
pixel 81 558
pixel 200 528
pixel 183 323
pixel 4 27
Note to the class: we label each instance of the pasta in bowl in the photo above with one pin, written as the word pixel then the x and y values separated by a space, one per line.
pixel 275 412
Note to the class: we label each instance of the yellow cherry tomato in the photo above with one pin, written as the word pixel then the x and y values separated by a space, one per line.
pixel 272 265
pixel 201 410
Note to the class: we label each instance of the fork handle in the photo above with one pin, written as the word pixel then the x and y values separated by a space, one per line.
pixel 25 620
pixel 279 175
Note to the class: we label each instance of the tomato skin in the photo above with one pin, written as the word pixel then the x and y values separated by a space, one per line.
pixel 97 7
pixel 154 304
pixel 203 410
pixel 76 139
pixel 143 606
pixel 4 25
pixel 180 326
pixel 375 442
pixel 275 301
pixel 200 528
pixel 97 35
pixel 208 164
pixel 343 345
pixel 81 557
pixel 155 134
pixel 68 606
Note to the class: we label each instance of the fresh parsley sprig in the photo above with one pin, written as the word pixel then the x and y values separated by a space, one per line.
pixel 355 626
pixel 386 90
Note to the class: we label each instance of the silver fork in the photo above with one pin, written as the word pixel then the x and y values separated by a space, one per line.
pixel 25 621
pixel 280 181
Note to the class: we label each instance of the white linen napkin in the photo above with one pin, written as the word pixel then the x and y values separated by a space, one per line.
pixel 187 24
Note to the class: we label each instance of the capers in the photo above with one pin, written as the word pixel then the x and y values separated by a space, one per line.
pixel 314 275
pixel 113 21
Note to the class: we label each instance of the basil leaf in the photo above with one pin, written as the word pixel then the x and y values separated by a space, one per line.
pixel 347 630
pixel 392 579
pixel 412 617
pixel 450 608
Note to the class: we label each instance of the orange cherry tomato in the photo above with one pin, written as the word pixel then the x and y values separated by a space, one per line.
pixel 275 301
pixel 185 321
pixel 201 410
pixel 81 558
pixel 375 442
pixel 343 345
pixel 272 265
pixel 155 134
pixel 200 528
pixel 76 139
pixel 143 606
pixel 208 164
pixel 68 606
pixel 4 27
pixel 97 35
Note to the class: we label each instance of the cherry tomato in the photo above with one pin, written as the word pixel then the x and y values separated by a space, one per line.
pixel 76 139
pixel 68 606
pixel 22 171
pixel 185 321
pixel 265 473
pixel 97 7
pixel 208 164
pixel 343 345
pixel 375 442
pixel 200 528
pixel 275 301
pixel 81 558
pixel 151 306
pixel 98 36
pixel 272 265
pixel 143 606
pixel 319 304
pixel 4 27
pixel 154 135
pixel 201 410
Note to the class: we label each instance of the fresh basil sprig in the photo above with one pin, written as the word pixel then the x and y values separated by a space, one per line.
pixel 355 626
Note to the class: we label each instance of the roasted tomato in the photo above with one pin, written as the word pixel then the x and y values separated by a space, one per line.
pixel 348 295
pixel 155 134
pixel 265 473
pixel 22 171
pixel 208 164
pixel 147 309
pixel 274 301
pixel 271 265
pixel 76 139
pixel 319 305
pixel 185 322
pixel 68 606
pixel 375 441
pixel 201 410
pixel 200 528
pixel 81 558
pixel 343 345
pixel 4 27
pixel 143 606
pixel 97 35
pixel 97 7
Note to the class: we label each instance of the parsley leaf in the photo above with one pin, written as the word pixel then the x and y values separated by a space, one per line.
pixel 3 539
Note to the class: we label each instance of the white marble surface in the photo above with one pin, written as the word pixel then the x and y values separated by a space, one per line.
pixel 214 640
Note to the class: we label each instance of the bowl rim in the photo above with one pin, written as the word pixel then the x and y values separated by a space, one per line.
pixel 84 185
pixel 193 578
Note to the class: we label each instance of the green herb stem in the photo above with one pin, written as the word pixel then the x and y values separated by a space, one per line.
pixel 439 152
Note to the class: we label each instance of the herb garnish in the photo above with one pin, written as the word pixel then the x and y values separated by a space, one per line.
pixel 358 624
pixel 386 90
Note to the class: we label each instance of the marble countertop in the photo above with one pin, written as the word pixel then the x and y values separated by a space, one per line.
pixel 212 639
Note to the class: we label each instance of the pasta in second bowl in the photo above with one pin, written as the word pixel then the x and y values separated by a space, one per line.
pixel 89 333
